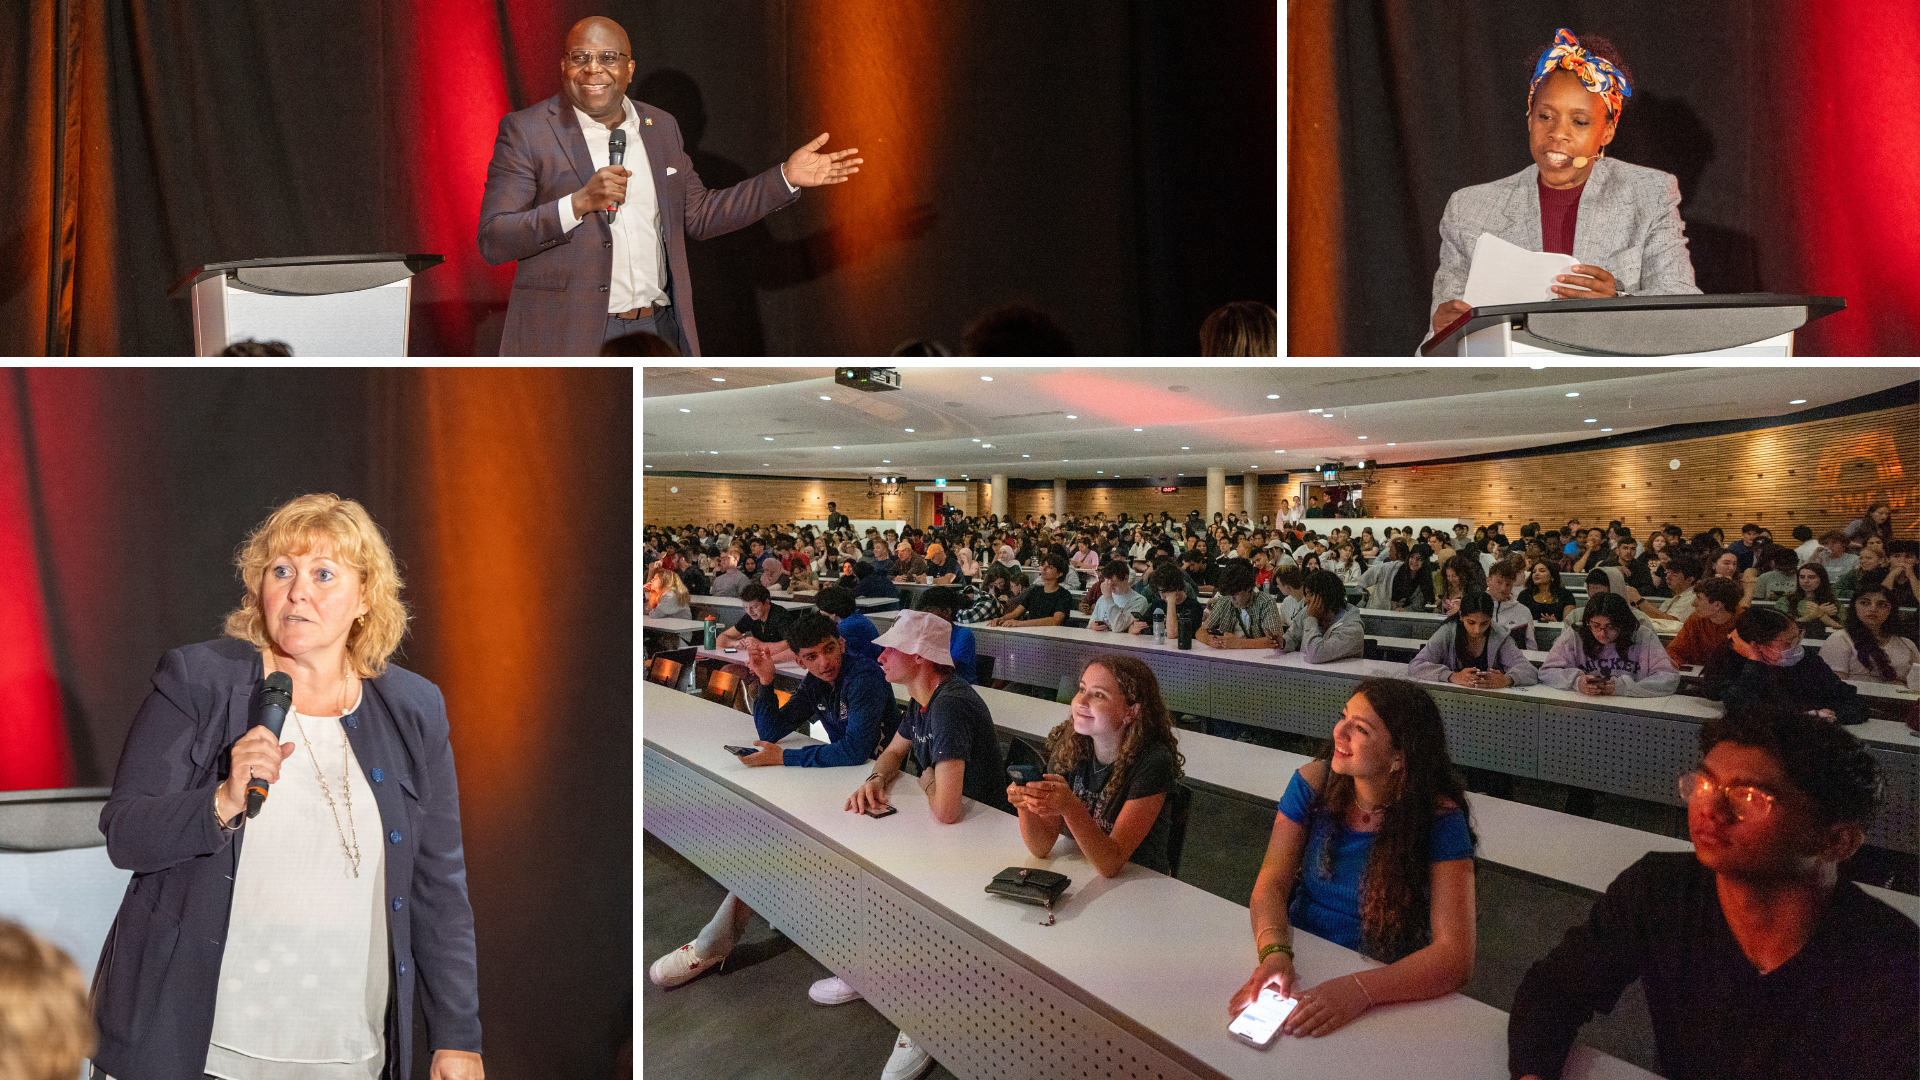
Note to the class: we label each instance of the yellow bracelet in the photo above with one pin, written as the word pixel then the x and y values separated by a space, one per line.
pixel 1278 946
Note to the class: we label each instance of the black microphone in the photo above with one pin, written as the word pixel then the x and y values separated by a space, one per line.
pixel 275 700
pixel 616 153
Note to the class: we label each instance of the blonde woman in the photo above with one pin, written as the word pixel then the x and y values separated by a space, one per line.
pixel 346 897
pixel 667 596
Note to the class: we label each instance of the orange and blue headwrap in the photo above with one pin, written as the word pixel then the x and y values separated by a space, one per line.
pixel 1595 73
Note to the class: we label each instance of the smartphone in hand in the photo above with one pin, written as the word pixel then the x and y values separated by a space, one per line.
pixel 741 751
pixel 1259 1022
pixel 1024 774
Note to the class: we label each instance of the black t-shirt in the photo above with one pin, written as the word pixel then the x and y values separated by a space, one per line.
pixel 1152 774
pixel 951 566
pixel 1550 610
pixel 956 726
pixel 1190 609
pixel 1039 603
pixel 773 628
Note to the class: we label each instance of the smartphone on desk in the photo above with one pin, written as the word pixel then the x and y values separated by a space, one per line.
pixel 740 751
pixel 883 811
pixel 1259 1022
pixel 731 649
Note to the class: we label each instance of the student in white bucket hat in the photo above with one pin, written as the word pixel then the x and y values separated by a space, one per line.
pixel 948 732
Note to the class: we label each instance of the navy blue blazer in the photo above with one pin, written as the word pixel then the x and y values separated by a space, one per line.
pixel 160 968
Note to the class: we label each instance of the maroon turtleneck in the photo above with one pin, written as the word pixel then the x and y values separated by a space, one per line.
pixel 1559 210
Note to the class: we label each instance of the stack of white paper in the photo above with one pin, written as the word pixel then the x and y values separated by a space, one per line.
pixel 1504 273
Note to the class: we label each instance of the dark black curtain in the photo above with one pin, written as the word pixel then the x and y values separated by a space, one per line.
pixel 1432 98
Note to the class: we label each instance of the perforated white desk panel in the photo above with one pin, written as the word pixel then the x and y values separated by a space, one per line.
pixel 682 627
pixel 1622 745
pixel 1132 981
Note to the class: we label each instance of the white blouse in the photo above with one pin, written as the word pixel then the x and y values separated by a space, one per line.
pixel 1839 653
pixel 303 980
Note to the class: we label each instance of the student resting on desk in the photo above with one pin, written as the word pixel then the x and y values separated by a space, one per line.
pixel 1373 844
pixel 1471 650
pixel 1113 766
pixel 1172 599
pixel 1239 616
pixel 846 694
pixel 1758 962
pixel 1329 628
pixel 1590 658
pixel 948 732
pixel 1763 665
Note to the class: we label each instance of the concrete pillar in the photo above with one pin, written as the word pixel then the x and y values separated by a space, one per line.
pixel 1250 497
pixel 1060 498
pixel 999 495
pixel 1216 493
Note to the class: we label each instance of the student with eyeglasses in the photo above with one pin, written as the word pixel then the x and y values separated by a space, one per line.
pixel 1756 959
pixel 1608 653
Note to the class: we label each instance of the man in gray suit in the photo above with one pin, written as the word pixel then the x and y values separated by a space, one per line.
pixel 602 255
pixel 1622 222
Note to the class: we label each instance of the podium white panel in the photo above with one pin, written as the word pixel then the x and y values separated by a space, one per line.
pixel 366 322
pixel 1500 340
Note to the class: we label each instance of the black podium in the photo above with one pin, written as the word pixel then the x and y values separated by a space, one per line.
pixel 1734 324
pixel 320 305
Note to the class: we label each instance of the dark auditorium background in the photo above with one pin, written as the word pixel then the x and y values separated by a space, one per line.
pixel 1780 118
pixel 1113 164
pixel 507 498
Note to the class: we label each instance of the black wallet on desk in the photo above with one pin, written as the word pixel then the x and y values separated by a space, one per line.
pixel 1030 886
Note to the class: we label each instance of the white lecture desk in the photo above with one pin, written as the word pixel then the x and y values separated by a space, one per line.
pixel 1132 981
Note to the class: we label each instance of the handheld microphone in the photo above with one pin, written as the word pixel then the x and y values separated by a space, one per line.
pixel 616 154
pixel 275 700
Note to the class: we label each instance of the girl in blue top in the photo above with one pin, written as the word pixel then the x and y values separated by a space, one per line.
pixel 1376 835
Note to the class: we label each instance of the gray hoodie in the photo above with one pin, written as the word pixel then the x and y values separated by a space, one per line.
pixel 1434 661
pixel 1346 639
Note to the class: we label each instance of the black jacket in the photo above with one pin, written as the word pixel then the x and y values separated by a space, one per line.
pixel 1745 685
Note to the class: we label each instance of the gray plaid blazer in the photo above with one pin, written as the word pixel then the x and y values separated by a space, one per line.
pixel 1629 224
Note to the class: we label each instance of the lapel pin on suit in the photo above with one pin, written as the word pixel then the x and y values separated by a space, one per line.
pixel 649 121
pixel 671 170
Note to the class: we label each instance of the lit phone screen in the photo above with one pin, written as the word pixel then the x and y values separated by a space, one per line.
pixel 1258 1021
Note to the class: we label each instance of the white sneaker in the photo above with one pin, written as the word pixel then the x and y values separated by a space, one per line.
pixel 908 1061
pixel 681 966
pixel 832 991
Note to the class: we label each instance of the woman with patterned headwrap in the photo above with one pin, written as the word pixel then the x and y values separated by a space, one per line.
pixel 1622 222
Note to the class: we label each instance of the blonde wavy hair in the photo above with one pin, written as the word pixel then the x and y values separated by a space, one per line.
pixel 46 1027
pixel 300 526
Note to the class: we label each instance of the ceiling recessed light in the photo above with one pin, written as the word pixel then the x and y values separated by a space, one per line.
pixel 986 378
pixel 1536 367
pixel 1139 429
pixel 649 466
pixel 1360 436
pixel 1798 401
pixel 1186 448
pixel 1606 429
pixel 1573 393
pixel 769 438
pixel 715 453
pixel 989 446
pixel 976 440
pixel 824 397
pixel 686 410
pixel 717 378
pixel 1026 455
pixel 1273 397
pixel 1279 451
pixel 1590 420
pixel 1313 410
pixel 907 430
pixel 836 448
pixel 1393 444
pixel 886 461
pixel 1253 466
pixel 1070 416
pixel 1064 460
pixel 766 464
pixel 1099 472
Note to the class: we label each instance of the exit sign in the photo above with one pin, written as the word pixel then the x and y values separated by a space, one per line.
pixel 940 481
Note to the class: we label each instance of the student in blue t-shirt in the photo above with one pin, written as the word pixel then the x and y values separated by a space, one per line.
pixel 1375 831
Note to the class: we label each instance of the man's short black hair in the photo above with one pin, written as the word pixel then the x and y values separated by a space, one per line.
pixel 808 629
pixel 1235 578
pixel 1822 759
pixel 832 503
pixel 1057 561
pixel 1688 566
pixel 862 570
pixel 940 598
pixel 1599 577
pixel 1723 591
pixel 1326 585
pixel 1802 533
pixel 752 591
pixel 836 601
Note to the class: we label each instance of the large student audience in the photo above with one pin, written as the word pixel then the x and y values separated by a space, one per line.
pixel 1755 958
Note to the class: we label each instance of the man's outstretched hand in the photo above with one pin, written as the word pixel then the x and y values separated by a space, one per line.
pixel 810 168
